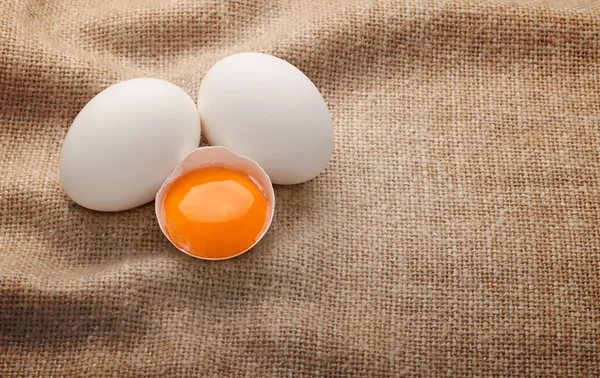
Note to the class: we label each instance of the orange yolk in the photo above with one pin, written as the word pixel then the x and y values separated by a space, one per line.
pixel 214 212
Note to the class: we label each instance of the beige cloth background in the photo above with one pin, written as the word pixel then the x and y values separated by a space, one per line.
pixel 455 232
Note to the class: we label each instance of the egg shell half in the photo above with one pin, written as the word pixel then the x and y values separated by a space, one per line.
pixel 218 156
pixel 264 108
pixel 125 142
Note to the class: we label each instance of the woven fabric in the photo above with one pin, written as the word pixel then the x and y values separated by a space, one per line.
pixel 456 230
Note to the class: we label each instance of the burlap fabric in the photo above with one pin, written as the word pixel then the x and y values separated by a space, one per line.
pixel 455 232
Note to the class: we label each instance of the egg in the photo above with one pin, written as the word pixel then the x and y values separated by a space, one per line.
pixel 125 142
pixel 264 108
pixel 216 204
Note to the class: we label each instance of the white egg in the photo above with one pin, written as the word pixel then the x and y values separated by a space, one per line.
pixel 264 108
pixel 125 142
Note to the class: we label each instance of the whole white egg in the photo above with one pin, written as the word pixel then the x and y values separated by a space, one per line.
pixel 125 142
pixel 264 108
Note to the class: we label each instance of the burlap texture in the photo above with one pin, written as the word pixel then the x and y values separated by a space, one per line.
pixel 455 232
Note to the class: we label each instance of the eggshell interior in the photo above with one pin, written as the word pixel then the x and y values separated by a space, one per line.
pixel 218 156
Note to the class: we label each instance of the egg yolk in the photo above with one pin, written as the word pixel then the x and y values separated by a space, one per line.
pixel 214 212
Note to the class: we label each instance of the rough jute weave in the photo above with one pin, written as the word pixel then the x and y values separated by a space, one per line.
pixel 456 231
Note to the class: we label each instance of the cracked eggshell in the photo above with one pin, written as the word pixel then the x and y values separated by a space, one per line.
pixel 217 156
